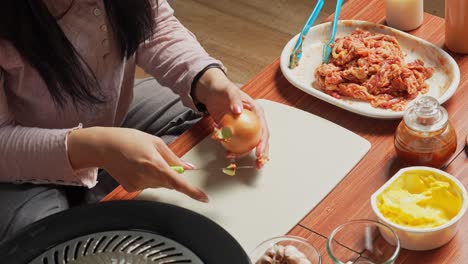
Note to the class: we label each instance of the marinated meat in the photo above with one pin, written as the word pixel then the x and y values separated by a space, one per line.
pixel 371 67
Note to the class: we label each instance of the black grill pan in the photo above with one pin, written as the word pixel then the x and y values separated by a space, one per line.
pixel 124 232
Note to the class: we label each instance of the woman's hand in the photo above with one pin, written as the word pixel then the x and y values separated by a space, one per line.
pixel 135 159
pixel 220 96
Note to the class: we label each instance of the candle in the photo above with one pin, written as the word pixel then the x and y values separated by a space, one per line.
pixel 404 14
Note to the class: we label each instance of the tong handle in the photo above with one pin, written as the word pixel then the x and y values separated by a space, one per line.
pixel 327 45
pixel 297 51
pixel 312 17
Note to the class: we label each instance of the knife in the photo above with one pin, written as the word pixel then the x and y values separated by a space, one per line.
pixel 180 169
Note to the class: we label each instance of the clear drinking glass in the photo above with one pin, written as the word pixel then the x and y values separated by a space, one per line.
pixel 271 247
pixel 363 242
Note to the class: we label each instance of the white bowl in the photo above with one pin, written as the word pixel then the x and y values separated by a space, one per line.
pixel 442 85
pixel 423 238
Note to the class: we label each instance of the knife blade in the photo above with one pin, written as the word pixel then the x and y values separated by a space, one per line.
pixel 180 169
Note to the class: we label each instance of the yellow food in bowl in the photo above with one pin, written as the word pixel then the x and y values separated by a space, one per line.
pixel 420 199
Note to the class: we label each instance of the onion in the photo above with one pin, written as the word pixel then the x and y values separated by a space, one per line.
pixel 239 133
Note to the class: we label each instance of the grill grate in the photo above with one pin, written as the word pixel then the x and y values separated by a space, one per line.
pixel 119 247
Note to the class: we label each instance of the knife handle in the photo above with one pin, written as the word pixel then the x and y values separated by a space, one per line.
pixel 178 169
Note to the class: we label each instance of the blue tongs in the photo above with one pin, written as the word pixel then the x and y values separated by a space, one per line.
pixel 327 46
pixel 297 51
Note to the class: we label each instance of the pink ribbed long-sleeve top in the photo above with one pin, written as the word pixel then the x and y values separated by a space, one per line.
pixel 33 130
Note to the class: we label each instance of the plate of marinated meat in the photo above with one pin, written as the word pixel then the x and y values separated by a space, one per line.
pixel 374 70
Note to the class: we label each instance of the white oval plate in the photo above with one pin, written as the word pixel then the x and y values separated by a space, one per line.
pixel 442 85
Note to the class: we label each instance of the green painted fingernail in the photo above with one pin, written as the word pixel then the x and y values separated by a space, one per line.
pixel 178 169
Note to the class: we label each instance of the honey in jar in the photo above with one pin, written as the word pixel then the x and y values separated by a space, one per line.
pixel 425 136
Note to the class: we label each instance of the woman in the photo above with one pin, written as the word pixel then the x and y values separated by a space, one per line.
pixel 66 88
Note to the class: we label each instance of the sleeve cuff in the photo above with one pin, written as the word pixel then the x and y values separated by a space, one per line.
pixel 200 106
pixel 83 177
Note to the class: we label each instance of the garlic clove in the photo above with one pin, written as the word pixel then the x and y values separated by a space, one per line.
pixel 271 252
pixel 297 259
pixel 280 251
pixel 291 251
pixel 265 260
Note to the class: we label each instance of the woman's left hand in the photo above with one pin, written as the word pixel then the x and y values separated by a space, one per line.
pixel 221 97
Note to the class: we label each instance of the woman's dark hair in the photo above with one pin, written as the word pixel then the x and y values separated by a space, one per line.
pixel 35 34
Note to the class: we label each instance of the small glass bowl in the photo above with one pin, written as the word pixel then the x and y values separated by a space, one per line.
pixel 363 241
pixel 302 245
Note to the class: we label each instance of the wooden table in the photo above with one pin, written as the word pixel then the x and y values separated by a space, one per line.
pixel 350 199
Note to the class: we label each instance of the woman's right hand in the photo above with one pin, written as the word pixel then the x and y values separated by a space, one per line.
pixel 135 159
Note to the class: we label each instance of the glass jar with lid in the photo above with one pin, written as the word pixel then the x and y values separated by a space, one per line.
pixel 425 136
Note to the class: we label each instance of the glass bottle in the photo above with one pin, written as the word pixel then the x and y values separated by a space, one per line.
pixel 456 25
pixel 425 136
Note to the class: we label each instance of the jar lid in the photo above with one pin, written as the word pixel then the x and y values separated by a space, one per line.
pixel 426 115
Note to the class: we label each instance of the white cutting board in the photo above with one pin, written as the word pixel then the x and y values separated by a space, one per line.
pixel 308 157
